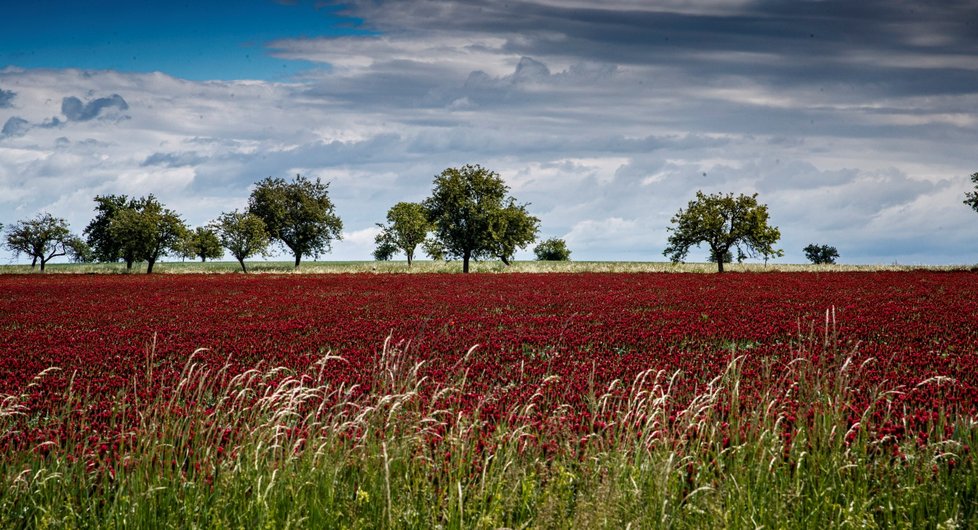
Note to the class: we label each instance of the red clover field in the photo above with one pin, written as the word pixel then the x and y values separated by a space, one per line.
pixel 489 400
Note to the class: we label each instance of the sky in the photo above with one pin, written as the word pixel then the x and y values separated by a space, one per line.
pixel 855 122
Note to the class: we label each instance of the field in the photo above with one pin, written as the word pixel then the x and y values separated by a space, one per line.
pixel 489 400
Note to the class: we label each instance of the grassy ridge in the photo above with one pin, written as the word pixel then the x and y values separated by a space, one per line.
pixel 327 267
pixel 269 449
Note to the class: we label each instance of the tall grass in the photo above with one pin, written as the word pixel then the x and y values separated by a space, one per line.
pixel 275 449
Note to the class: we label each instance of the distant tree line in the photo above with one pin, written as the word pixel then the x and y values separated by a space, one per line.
pixel 469 216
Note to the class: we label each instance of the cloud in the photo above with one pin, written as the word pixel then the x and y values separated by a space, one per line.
pixel 189 158
pixel 15 126
pixel 75 110
pixel 854 122
pixel 6 98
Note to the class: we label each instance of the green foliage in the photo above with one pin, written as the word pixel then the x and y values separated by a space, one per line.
pixel 104 247
pixel 79 251
pixel 971 198
pixel 553 249
pixel 385 247
pixel 728 257
pixel 434 249
pixel 473 218
pixel 243 234
pixel 407 227
pixel 724 223
pixel 147 232
pixel 203 243
pixel 42 238
pixel 511 229
pixel 821 254
pixel 299 214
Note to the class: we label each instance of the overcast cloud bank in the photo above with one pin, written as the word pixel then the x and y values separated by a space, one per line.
pixel 855 122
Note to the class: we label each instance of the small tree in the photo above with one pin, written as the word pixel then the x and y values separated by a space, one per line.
pixel 147 232
pixel 724 223
pixel 513 228
pixel 971 198
pixel 42 238
pixel 106 248
pixel 406 228
pixel 299 214
pixel 728 257
pixel 553 249
pixel 821 254
pixel 434 249
pixel 385 247
pixel 243 234
pixel 202 243
pixel 472 216
pixel 79 251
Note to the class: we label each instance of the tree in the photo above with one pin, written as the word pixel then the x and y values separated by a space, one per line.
pixel 553 249
pixel 42 238
pixel 243 234
pixel 821 254
pixel 147 232
pixel 433 248
pixel 407 227
pixel 185 247
pixel 512 229
pixel 79 251
pixel 104 247
pixel 472 217
pixel 724 223
pixel 385 247
pixel 971 198
pixel 728 257
pixel 299 214
pixel 203 243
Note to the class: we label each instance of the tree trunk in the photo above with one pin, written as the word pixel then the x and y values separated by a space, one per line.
pixel 504 260
pixel 203 259
pixel 465 260
pixel 34 263
pixel 410 257
pixel 149 265
pixel 129 265
pixel 43 261
pixel 243 268
pixel 720 264
pixel 298 258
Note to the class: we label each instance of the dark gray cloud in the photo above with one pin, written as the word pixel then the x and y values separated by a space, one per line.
pixel 75 110
pixel 6 98
pixel 880 46
pixel 15 126
pixel 51 123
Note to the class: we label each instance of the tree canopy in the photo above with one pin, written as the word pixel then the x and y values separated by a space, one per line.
pixel 202 242
pixel 106 248
pixel 146 232
pixel 473 218
pixel 513 228
pixel 821 254
pixel 42 238
pixel 725 223
pixel 971 197
pixel 243 234
pixel 407 227
pixel 553 249
pixel 298 214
